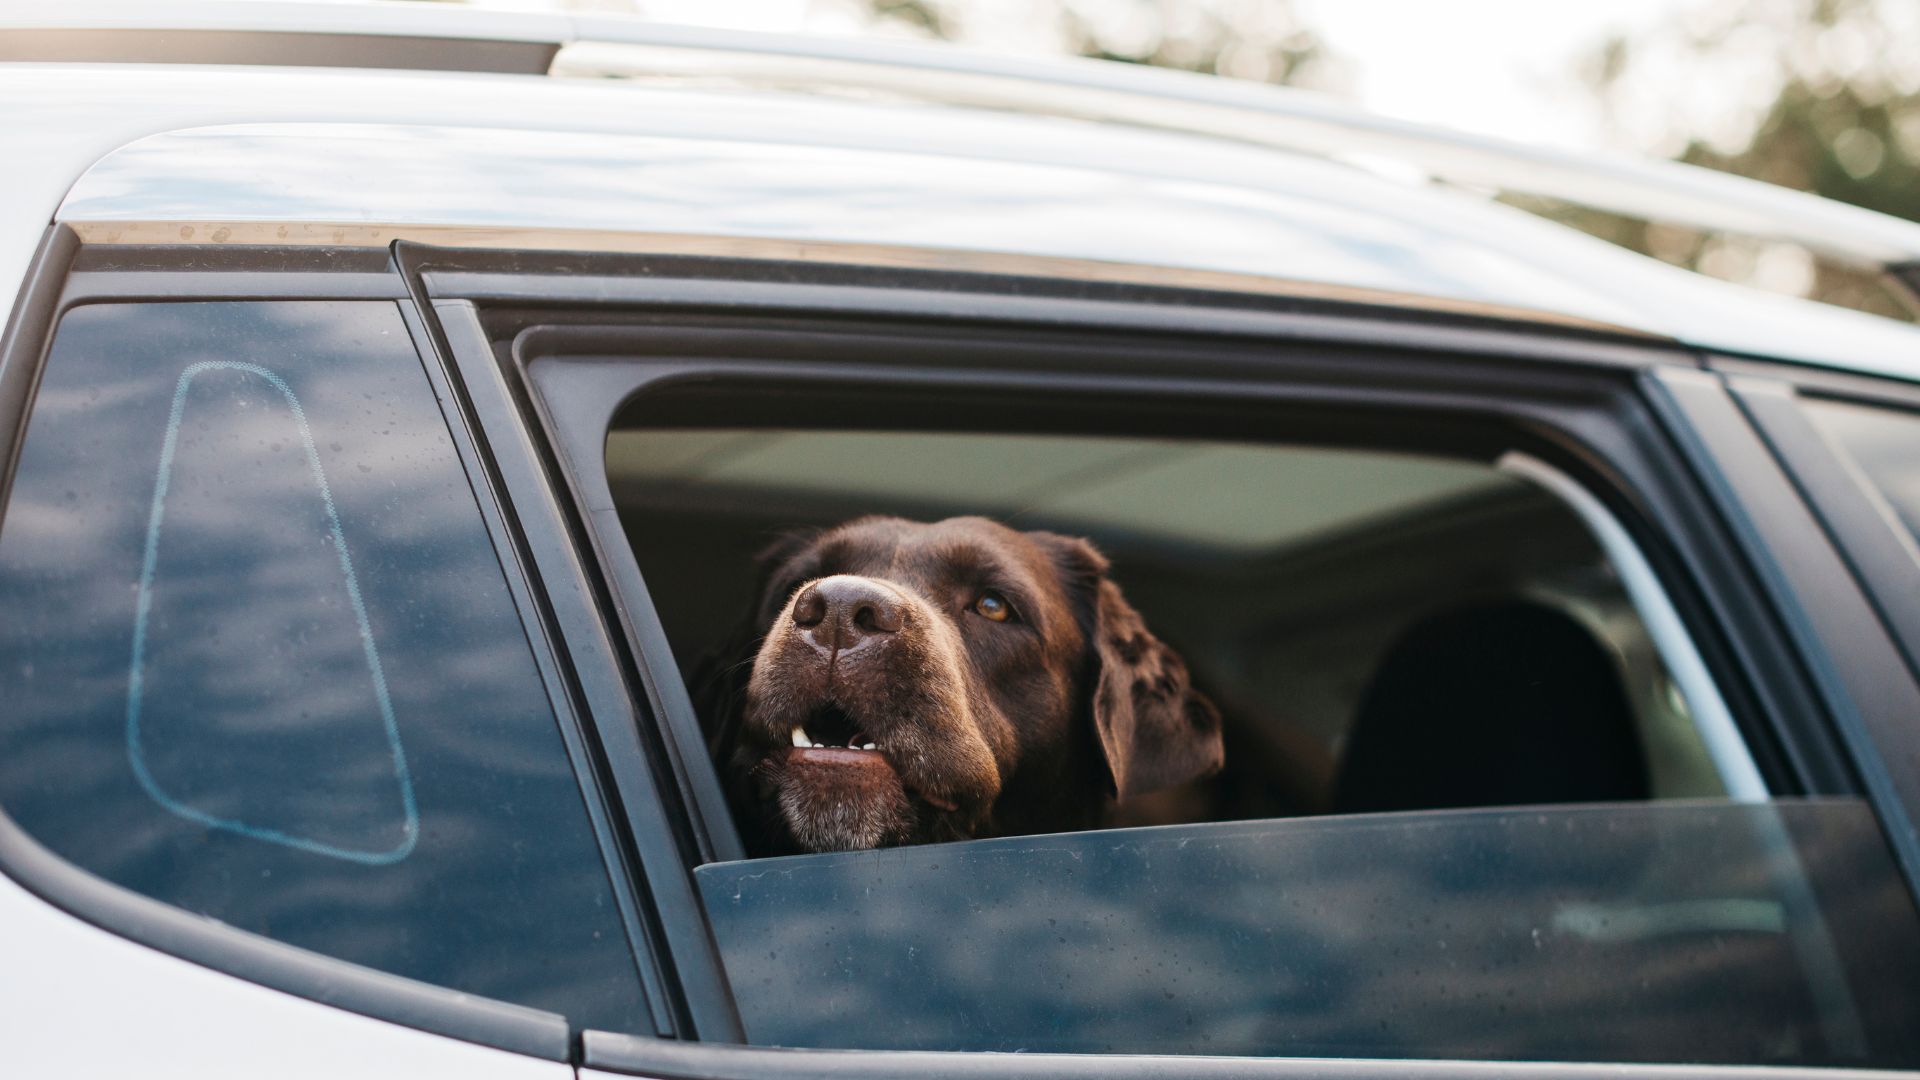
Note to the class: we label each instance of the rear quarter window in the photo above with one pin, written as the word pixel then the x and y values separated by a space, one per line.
pixel 260 662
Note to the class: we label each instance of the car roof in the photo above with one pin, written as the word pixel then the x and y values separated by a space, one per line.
pixel 745 145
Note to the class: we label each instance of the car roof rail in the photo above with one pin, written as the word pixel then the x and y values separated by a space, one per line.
pixel 425 37
pixel 442 37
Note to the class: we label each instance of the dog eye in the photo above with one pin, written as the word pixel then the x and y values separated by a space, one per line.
pixel 992 605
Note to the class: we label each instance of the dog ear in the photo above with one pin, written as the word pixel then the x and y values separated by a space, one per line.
pixel 1155 729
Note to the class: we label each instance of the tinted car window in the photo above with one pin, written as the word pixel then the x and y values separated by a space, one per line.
pixel 260 660
pixel 1678 932
pixel 1886 445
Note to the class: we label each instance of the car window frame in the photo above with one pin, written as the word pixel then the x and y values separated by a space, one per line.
pixel 1863 527
pixel 1744 422
pixel 479 298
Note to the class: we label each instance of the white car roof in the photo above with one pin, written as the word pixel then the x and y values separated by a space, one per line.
pixel 771 160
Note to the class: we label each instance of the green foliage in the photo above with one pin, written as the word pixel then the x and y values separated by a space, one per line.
pixel 1838 115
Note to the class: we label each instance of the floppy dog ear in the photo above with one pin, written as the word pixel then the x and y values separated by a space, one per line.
pixel 1155 729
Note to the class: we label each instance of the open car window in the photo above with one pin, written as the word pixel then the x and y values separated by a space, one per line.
pixel 1467 809
pixel 1329 601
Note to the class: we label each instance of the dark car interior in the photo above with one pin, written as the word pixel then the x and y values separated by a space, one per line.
pixel 1381 631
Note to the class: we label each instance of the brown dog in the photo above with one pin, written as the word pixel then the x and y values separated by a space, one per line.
pixel 922 682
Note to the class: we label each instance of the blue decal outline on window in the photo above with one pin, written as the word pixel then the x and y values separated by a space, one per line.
pixel 144 602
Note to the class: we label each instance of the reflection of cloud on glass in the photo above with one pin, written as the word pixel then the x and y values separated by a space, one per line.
pixel 252 628
pixel 1629 933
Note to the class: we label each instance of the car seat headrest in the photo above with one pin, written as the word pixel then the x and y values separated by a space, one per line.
pixel 1497 704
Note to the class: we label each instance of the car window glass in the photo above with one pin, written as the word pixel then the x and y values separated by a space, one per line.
pixel 1885 443
pixel 260 662
pixel 1775 934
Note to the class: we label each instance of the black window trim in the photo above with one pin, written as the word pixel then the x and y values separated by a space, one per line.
pixel 1863 527
pixel 486 294
pixel 683 954
pixel 557 677
pixel 1862 673
pixel 626 1055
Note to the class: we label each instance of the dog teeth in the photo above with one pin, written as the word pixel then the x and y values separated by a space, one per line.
pixel 801 738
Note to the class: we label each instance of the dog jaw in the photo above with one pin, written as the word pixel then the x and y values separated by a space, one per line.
pixel 831 803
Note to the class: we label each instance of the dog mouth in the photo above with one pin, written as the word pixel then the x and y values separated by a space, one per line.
pixel 832 737
pixel 831 728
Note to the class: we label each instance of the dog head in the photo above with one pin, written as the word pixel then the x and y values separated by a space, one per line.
pixel 921 682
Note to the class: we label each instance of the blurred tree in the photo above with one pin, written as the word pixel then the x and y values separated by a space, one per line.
pixel 1820 95
pixel 1248 39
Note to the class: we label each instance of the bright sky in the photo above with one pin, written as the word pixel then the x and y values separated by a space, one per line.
pixel 1504 67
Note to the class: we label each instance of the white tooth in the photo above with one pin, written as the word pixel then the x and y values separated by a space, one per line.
pixel 800 736
pixel 867 746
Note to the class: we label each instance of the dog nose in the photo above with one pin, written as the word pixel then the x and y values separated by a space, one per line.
pixel 847 610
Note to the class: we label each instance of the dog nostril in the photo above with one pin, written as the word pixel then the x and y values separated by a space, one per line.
pixel 810 608
pixel 877 618
pixel 849 609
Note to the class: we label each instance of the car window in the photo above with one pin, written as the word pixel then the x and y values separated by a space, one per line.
pixel 1304 586
pixel 260 661
pixel 1885 443
pixel 1466 808
pixel 1659 932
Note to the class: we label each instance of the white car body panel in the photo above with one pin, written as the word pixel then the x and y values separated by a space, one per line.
pixel 496 151
pixel 1129 94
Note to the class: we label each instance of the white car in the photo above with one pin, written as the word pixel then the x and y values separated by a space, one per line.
pixel 394 398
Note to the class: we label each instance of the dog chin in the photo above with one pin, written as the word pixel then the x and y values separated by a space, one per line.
pixel 842 801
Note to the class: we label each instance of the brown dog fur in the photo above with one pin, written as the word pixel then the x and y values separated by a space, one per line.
pixel 876 632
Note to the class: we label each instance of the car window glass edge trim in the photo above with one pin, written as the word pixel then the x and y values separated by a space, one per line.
pixel 606 1053
pixel 24 344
